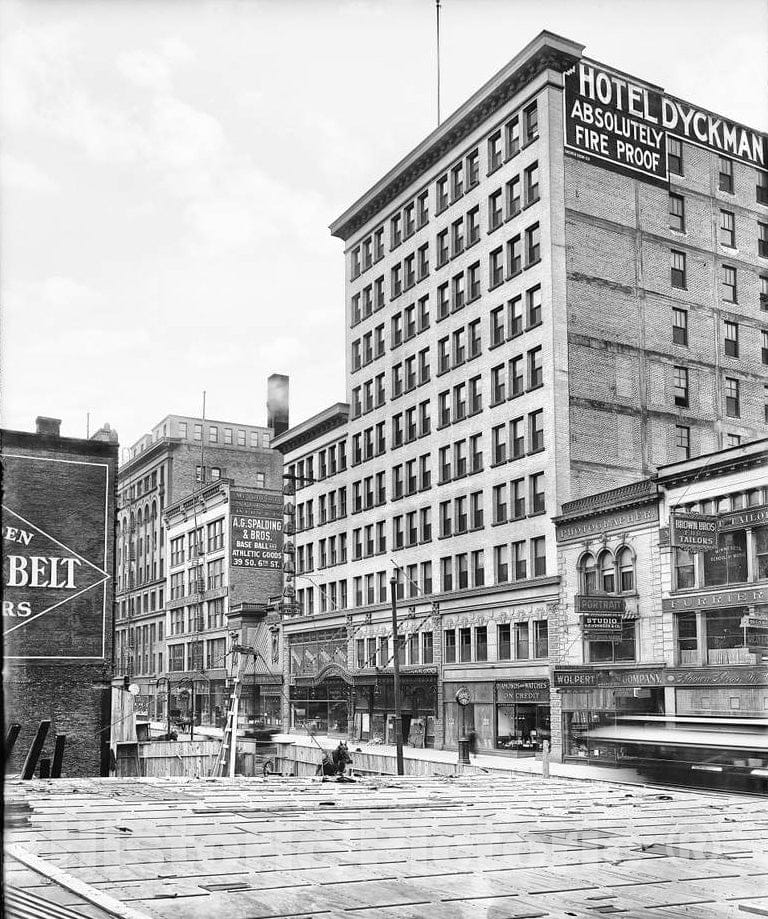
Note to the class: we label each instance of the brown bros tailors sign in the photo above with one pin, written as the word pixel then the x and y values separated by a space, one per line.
pixel 56 534
pixel 625 125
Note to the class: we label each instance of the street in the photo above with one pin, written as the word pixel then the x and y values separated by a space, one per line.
pixel 448 848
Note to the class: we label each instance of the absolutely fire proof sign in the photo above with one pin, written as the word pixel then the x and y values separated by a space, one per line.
pixel 625 125
pixel 256 537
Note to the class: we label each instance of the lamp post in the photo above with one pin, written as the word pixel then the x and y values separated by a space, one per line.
pixel 395 645
pixel 167 705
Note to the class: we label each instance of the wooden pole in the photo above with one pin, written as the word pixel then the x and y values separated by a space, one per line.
pixel 35 750
pixel 58 756
pixel 45 768
pixel 10 739
pixel 396 650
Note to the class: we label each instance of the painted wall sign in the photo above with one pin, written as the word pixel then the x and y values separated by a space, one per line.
pixel 716 599
pixel 256 529
pixel 623 124
pixel 598 625
pixel 522 691
pixel 596 604
pixel 56 533
pixel 750 517
pixel 577 679
pixel 693 531
pixel 601 523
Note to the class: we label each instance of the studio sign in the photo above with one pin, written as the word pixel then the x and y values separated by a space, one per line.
pixel 609 118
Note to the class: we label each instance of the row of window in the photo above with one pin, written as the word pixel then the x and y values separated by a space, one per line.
pixel 514 641
pixel 256 438
pixel 193 542
pixel 516 499
pixel 196 655
pixel 516 561
pixel 728 274
pixel 330 460
pixel 414 648
pixel 731 391
pixel 406 274
pixel 197 617
pixel 607 572
pixel 725 171
pixel 193 582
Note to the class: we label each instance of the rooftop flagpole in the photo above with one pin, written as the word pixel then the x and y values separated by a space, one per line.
pixel 437 14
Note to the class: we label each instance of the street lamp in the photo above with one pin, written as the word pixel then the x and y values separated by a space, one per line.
pixel 395 645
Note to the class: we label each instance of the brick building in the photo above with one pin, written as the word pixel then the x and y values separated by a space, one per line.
pixel 648 622
pixel 217 596
pixel 58 590
pixel 180 456
pixel 537 309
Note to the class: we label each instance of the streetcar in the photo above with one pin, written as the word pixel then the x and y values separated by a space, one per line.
pixel 726 753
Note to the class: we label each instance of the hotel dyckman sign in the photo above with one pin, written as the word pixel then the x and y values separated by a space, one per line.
pixel 256 529
pixel 624 125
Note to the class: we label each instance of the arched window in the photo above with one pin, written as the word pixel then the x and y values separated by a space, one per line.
pixel 607 573
pixel 626 568
pixel 588 574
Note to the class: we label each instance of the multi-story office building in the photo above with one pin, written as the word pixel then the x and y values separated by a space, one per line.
pixel 180 456
pixel 561 288
pixel 224 552
pixel 664 600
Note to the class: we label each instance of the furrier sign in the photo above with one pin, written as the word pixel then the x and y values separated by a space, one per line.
pixel 625 124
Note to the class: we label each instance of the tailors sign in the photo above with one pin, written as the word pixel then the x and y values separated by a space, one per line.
pixel 693 531
pixel 625 125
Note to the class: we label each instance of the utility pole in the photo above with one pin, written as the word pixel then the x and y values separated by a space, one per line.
pixel 396 660
pixel 437 17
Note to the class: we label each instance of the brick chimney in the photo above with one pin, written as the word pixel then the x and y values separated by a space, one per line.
pixel 49 427
pixel 277 403
pixel 105 433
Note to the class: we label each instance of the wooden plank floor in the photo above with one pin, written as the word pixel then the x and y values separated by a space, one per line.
pixel 423 848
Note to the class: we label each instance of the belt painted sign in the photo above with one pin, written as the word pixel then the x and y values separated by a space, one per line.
pixel 56 533
pixel 256 529
pixel 716 599
pixel 624 124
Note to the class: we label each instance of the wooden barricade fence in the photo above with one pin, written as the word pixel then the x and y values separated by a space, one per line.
pixel 177 758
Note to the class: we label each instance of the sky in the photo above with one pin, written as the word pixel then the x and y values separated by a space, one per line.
pixel 168 172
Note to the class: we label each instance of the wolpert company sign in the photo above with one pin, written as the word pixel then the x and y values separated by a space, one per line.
pixel 56 532
pixel 624 125
pixel 256 537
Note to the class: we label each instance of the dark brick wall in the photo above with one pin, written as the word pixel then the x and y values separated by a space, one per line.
pixel 70 500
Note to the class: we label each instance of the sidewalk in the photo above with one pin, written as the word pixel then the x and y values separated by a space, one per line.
pixel 489 762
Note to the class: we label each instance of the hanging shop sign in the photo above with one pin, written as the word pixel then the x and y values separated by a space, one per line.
pixel 624 125
pixel 754 621
pixel 598 624
pixel 597 604
pixel 694 532
pixel 256 529
pixel 57 528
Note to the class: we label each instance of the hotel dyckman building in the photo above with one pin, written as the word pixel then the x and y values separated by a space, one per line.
pixel 560 289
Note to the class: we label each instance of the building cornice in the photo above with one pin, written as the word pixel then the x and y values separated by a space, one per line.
pixel 546 52
pixel 643 492
pixel 709 465
pixel 330 418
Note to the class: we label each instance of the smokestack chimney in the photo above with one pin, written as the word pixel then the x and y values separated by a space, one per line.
pixel 49 427
pixel 277 403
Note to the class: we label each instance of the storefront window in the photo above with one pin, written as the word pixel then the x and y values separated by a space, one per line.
pixel 522 728
pixel 687 643
pixel 725 637
pixel 728 563
pixel 613 651
pixel 761 548
pixel 684 569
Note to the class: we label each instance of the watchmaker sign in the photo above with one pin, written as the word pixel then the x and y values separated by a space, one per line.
pixel 256 532
pixel 625 125
pixel 56 534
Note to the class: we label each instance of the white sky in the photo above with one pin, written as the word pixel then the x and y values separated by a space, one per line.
pixel 169 171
